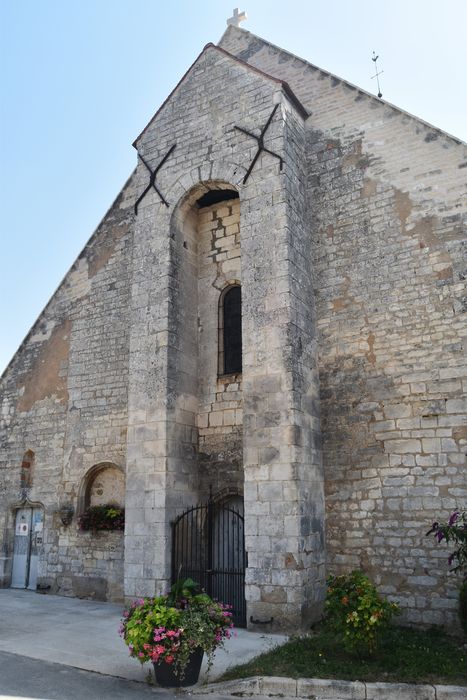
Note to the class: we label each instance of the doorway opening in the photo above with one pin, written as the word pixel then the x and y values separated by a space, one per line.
pixel 208 546
pixel 28 540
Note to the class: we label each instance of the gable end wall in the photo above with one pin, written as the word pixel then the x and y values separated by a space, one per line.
pixel 387 197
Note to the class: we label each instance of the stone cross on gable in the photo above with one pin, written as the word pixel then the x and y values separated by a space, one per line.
pixel 237 18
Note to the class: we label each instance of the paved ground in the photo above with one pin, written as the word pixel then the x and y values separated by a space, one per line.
pixel 84 634
pixel 30 679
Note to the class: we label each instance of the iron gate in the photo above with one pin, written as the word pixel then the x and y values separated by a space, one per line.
pixel 208 545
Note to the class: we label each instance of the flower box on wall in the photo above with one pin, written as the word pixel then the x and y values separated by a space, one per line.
pixel 106 517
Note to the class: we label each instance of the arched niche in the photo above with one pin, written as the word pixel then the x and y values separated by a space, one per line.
pixel 205 249
pixel 103 484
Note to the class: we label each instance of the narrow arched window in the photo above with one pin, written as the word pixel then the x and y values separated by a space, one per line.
pixel 27 466
pixel 231 331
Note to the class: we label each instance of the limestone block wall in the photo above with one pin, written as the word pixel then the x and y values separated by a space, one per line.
pixel 64 396
pixel 387 227
pixel 220 409
pixel 85 564
pixel 284 499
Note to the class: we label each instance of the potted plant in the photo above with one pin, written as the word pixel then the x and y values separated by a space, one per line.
pixel 173 631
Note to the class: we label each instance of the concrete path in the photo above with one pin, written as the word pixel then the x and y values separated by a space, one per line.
pixel 84 634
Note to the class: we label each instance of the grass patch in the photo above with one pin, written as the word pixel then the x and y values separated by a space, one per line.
pixel 405 655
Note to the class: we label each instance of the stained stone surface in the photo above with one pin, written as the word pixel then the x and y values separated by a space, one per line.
pixel 345 433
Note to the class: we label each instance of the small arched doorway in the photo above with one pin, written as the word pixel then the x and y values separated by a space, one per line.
pixel 208 546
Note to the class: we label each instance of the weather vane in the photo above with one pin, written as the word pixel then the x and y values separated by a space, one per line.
pixel 377 74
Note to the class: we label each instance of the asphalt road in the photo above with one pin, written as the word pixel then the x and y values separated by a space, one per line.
pixel 32 679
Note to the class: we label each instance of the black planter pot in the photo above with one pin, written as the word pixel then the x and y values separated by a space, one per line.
pixel 165 675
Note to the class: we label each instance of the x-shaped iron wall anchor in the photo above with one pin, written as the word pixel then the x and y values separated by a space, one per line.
pixel 261 146
pixel 152 179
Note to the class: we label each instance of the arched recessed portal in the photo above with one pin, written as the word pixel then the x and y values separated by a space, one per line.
pixel 208 422
pixel 205 366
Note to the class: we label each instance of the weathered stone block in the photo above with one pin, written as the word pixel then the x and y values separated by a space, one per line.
pixel 315 688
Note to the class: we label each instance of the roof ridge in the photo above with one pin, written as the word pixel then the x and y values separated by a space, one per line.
pixel 231 29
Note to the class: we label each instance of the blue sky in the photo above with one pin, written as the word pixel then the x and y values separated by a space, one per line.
pixel 80 79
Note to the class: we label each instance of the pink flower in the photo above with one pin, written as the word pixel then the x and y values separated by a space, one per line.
pixel 169 659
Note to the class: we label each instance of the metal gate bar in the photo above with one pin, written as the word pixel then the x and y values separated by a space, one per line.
pixel 208 545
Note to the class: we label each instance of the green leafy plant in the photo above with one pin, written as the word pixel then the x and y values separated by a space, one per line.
pixel 168 628
pixel 107 517
pixel 356 612
pixel 453 531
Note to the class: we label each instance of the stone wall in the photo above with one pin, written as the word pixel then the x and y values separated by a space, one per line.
pixel 85 564
pixel 220 411
pixel 387 229
pixel 64 396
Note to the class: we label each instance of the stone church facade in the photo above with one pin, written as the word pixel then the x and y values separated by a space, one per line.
pixel 344 428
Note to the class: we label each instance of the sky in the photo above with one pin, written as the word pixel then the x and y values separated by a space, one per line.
pixel 79 79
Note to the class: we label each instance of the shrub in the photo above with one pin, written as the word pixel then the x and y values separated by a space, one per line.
pixel 108 517
pixel 356 612
pixel 454 530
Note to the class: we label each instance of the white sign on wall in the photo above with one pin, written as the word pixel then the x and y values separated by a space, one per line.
pixel 22 529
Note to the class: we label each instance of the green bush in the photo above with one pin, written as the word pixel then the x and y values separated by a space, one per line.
pixel 453 531
pixel 356 612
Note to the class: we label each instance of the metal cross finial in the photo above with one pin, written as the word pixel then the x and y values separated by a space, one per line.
pixel 377 74
pixel 237 18
pixel 260 141
pixel 152 178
